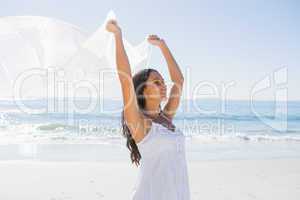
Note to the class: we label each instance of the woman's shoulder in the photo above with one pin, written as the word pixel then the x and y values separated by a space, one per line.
pixel 165 121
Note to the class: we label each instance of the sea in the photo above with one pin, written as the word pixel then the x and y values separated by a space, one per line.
pixel 90 129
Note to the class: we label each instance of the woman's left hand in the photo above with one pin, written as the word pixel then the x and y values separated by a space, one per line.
pixel 155 40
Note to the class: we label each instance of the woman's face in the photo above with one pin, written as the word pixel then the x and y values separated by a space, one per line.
pixel 155 87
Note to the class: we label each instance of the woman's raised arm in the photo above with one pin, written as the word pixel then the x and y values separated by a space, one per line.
pixel 175 74
pixel 133 117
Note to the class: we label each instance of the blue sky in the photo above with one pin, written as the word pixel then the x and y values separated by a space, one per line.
pixel 217 41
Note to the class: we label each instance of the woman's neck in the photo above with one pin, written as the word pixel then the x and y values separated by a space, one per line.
pixel 152 110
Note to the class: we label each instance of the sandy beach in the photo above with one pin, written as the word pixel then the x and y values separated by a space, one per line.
pixel 222 180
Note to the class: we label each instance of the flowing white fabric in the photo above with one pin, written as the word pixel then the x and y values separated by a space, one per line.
pixel 32 42
pixel 163 171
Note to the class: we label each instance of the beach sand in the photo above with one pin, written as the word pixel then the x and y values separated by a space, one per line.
pixel 214 180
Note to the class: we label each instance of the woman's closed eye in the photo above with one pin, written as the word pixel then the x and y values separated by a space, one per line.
pixel 158 82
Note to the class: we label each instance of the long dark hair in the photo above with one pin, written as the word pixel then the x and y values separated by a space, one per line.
pixel 139 80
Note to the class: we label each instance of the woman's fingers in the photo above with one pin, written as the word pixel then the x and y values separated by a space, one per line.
pixel 112 21
pixel 112 26
pixel 153 37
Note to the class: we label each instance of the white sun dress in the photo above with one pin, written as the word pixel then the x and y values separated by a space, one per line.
pixel 163 171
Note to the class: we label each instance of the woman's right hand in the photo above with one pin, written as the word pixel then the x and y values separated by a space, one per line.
pixel 155 40
pixel 112 26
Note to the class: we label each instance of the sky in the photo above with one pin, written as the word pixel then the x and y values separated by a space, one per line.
pixel 231 44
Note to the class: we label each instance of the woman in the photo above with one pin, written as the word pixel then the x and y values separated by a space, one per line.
pixel 154 142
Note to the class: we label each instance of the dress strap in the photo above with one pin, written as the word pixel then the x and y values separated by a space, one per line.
pixel 162 119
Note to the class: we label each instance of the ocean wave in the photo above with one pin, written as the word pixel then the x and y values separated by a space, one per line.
pixel 12 117
pixel 58 133
pixel 246 138
pixel 54 127
pixel 232 117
